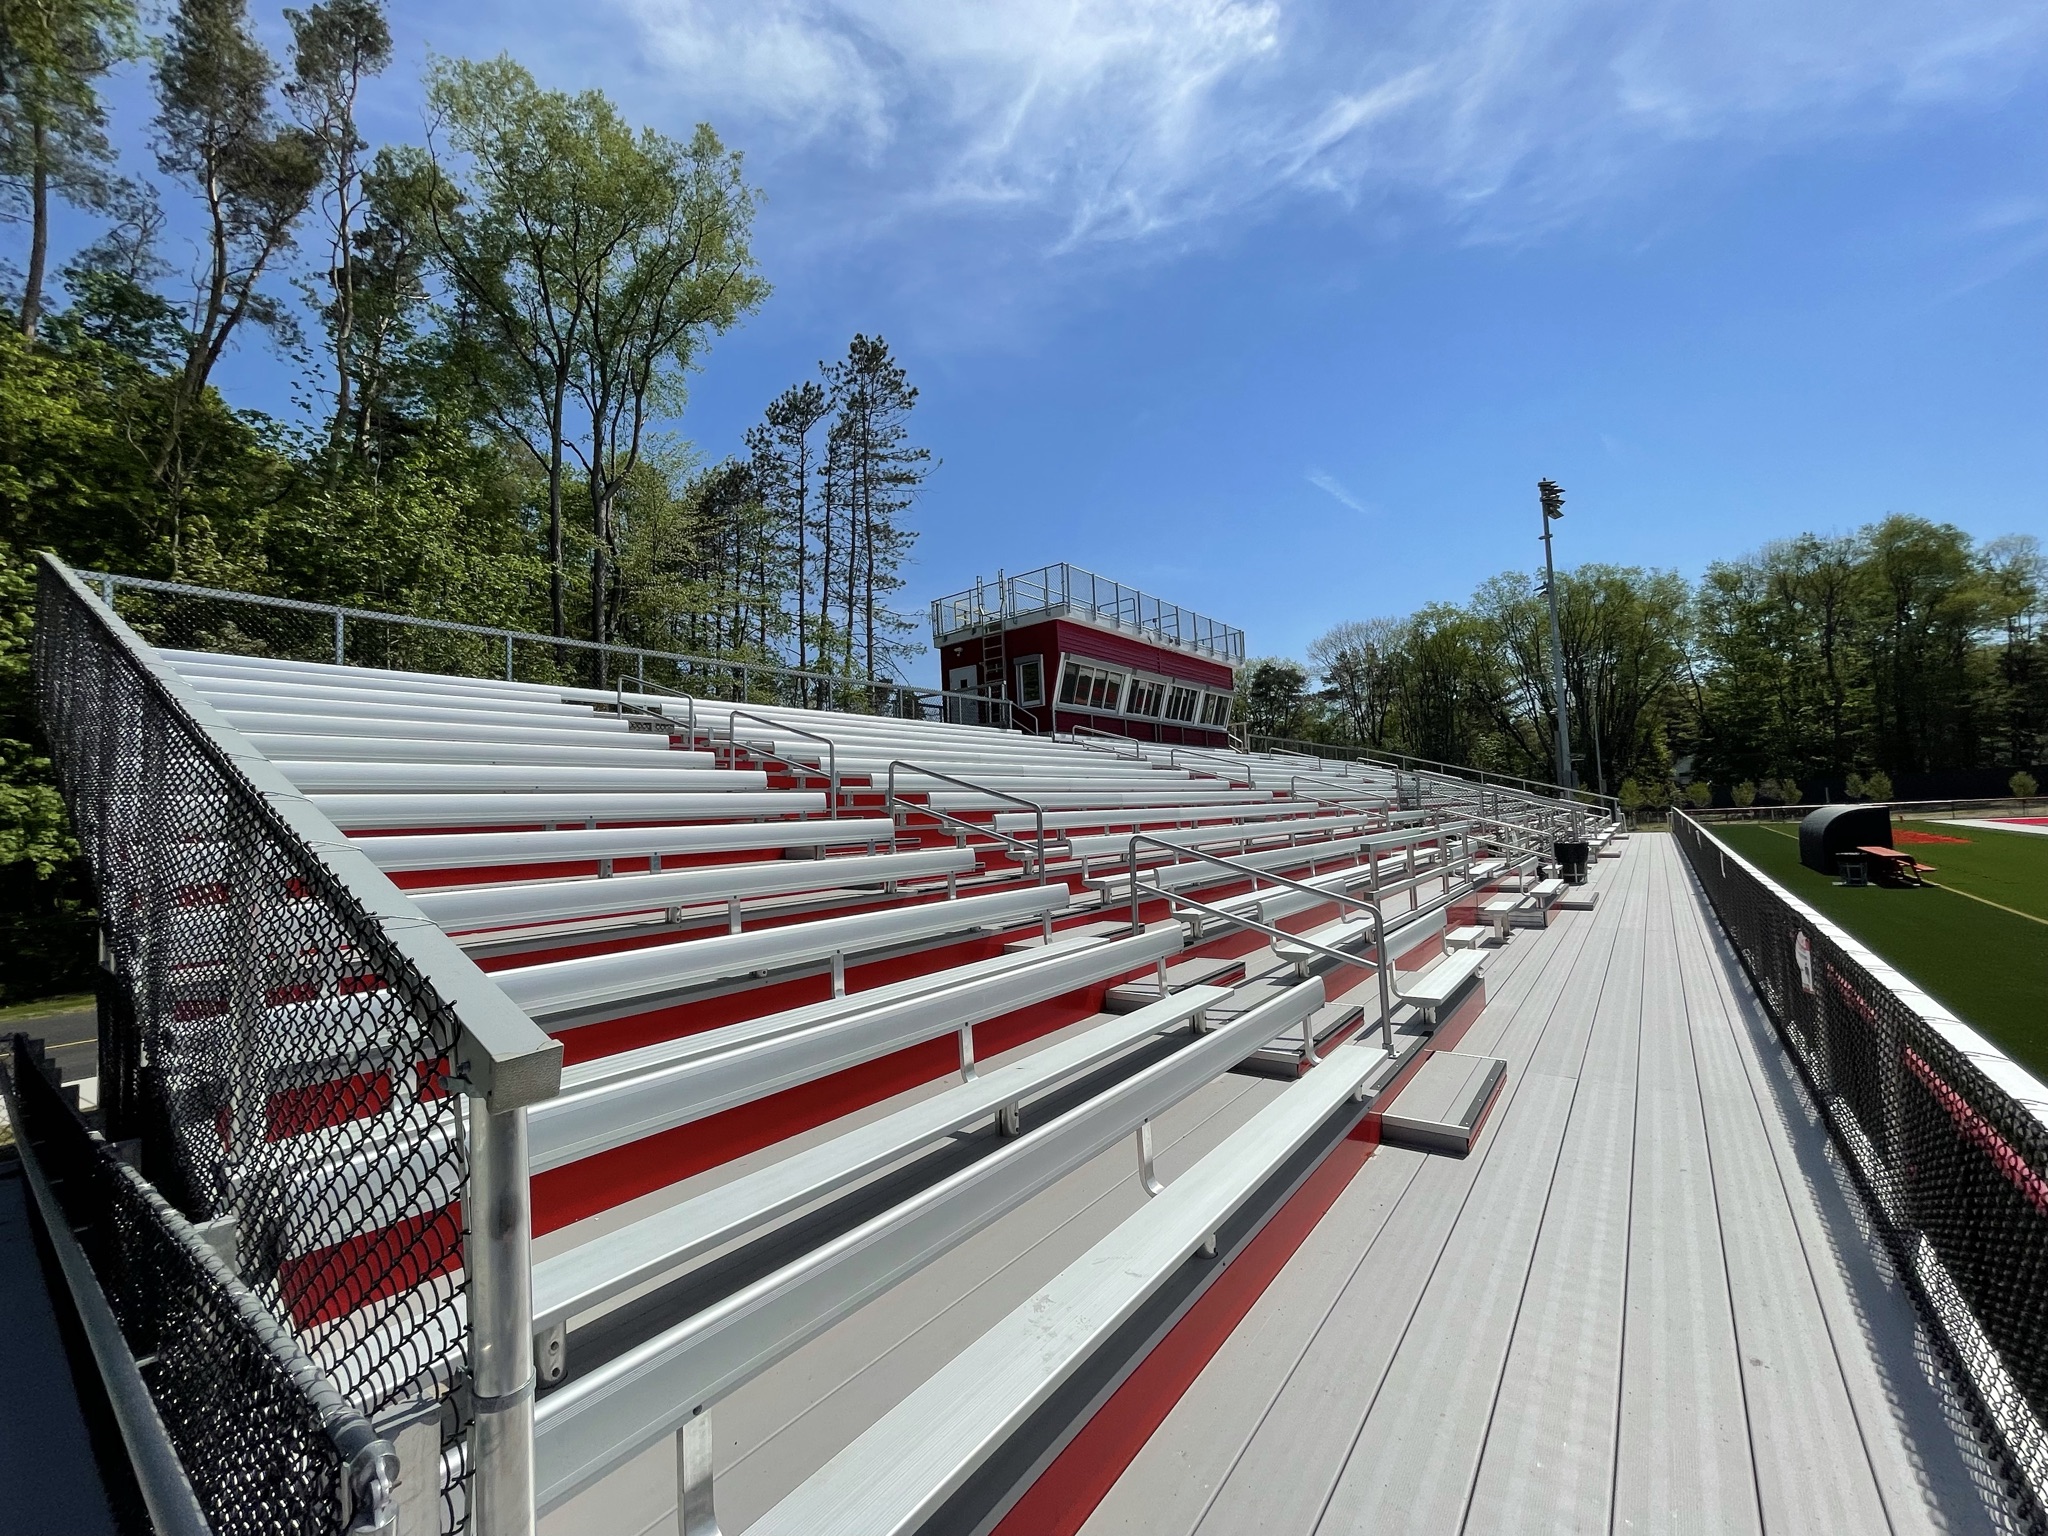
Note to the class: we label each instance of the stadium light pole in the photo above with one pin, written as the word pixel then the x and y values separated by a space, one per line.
pixel 1593 705
pixel 1551 495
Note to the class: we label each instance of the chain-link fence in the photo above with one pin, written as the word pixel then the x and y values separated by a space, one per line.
pixel 265 1440
pixel 279 1058
pixel 183 617
pixel 1954 1169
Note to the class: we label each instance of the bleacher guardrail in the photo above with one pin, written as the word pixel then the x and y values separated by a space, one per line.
pixel 1953 1169
pixel 1350 752
pixel 182 616
pixel 314 1074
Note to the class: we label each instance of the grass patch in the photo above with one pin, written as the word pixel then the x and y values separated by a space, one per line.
pixel 43 1007
pixel 1976 937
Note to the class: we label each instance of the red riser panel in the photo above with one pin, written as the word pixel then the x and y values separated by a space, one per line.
pixel 594 1184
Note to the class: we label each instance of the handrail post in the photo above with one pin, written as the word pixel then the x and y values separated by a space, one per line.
pixel 498 1259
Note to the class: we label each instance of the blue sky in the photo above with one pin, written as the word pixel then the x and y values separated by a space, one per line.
pixel 1280 309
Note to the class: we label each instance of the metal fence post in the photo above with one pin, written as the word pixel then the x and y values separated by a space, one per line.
pixel 508 658
pixel 499 1216
pixel 340 638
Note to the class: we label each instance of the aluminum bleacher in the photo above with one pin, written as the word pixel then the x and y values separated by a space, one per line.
pixel 833 992
pixel 605 1109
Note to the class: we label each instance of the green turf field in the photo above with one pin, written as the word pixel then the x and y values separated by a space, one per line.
pixel 1976 938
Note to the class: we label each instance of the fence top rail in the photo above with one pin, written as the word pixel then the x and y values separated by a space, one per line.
pixel 506 1058
pixel 109 582
pixel 1294 747
pixel 1714 813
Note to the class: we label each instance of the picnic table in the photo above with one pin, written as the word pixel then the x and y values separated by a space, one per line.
pixel 1888 864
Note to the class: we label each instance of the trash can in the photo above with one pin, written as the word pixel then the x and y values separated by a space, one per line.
pixel 1572 860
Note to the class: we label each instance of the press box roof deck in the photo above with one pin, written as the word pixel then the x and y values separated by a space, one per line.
pixel 1072 649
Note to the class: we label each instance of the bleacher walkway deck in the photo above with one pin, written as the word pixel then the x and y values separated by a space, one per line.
pixel 1642 1303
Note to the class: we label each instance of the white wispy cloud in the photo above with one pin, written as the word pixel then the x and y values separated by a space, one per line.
pixel 1118 120
pixel 1331 486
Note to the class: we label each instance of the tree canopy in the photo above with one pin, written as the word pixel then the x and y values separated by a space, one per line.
pixel 495 327
pixel 1905 647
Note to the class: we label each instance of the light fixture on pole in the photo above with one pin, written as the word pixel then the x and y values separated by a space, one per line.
pixel 1551 494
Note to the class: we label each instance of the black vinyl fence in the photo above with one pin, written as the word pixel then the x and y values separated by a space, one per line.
pixel 266 1442
pixel 279 1064
pixel 1955 1170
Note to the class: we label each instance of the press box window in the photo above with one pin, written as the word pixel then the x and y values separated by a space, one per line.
pixel 1088 687
pixel 1180 704
pixel 1216 709
pixel 1031 680
pixel 1147 694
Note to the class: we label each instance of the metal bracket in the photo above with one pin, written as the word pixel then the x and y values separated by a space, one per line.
pixel 967 1073
pixel 551 1353
pixel 414 1430
pixel 1147 1174
pixel 1009 1120
pixel 223 1236
pixel 695 1515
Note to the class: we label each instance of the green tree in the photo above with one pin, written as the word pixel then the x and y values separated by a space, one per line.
pixel 1272 698
pixel 218 131
pixel 1446 686
pixel 336 46
pixel 1359 664
pixel 874 474
pixel 788 471
pixel 1926 601
pixel 595 263
pixel 53 124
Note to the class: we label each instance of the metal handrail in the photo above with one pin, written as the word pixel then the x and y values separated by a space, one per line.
pixel 1080 731
pixel 1429 764
pixel 641 685
pixel 1363 796
pixel 1322 893
pixel 831 750
pixel 1037 858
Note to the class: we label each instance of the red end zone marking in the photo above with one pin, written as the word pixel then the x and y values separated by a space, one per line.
pixel 1066 1493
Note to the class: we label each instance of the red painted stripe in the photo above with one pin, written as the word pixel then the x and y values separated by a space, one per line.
pixel 1981 1133
pixel 572 869
pixel 593 1184
pixel 332 1282
pixel 1066 1493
